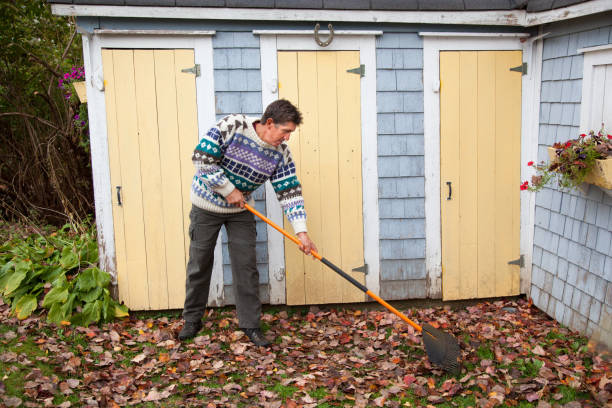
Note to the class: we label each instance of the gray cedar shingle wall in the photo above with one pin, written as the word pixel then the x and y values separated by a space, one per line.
pixel 399 60
pixel 572 258
pixel 238 90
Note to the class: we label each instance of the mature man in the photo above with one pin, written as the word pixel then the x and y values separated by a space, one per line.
pixel 232 160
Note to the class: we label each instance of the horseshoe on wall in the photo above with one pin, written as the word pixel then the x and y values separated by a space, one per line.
pixel 330 38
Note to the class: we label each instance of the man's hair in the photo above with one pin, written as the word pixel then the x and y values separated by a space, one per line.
pixel 282 111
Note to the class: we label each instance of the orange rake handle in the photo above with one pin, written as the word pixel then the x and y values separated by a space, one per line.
pixel 335 269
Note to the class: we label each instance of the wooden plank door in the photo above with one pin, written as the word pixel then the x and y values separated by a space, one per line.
pixel 480 134
pixel 327 152
pixel 152 129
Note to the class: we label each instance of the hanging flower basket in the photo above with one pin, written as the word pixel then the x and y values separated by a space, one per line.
pixel 81 90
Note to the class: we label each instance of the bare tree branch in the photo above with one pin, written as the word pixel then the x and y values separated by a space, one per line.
pixel 41 120
pixel 66 49
pixel 40 61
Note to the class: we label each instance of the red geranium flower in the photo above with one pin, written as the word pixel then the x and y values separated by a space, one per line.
pixel 583 135
pixel 568 144
pixel 530 163
pixel 525 185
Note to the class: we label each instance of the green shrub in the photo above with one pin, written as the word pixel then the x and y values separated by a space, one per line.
pixel 57 270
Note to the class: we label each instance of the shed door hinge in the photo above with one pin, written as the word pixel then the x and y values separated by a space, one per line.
pixel 520 261
pixel 363 268
pixel 521 68
pixel 360 70
pixel 193 70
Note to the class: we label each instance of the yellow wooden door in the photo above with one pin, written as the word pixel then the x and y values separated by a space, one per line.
pixel 480 134
pixel 327 152
pixel 152 129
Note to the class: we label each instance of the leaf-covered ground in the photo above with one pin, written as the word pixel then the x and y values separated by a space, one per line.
pixel 513 355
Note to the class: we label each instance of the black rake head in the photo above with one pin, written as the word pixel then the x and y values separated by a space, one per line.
pixel 442 349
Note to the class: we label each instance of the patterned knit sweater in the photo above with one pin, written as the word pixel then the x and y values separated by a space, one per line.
pixel 231 155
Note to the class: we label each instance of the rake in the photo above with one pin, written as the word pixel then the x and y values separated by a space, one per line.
pixel 442 348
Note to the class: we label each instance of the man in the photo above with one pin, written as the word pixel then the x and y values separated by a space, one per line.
pixel 232 160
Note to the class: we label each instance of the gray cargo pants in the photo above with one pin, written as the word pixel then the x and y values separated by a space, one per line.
pixel 203 231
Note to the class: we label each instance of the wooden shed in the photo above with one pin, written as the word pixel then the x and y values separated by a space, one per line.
pixel 420 117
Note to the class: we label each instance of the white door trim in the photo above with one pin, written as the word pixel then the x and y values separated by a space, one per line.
pixel 366 45
pixel 92 50
pixel 432 45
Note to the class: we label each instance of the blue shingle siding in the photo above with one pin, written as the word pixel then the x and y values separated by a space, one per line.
pixel 237 74
pixel 397 290
pixel 399 81
pixel 236 62
pixel 572 262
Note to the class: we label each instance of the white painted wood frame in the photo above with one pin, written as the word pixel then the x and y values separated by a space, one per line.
pixel 472 17
pixel 96 107
pixel 593 56
pixel 270 44
pixel 433 43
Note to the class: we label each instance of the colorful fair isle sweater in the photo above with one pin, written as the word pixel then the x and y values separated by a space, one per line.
pixel 231 155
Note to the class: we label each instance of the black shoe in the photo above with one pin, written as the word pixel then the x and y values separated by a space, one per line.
pixel 189 330
pixel 256 337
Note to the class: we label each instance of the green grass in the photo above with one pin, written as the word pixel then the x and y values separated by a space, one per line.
pixel 388 332
pixel 156 314
pixel 485 353
pixel 128 355
pixel 265 327
pixel 528 367
pixel 14 372
pixel 238 376
pixel 469 366
pixel 458 401
pixel 555 335
pixel 284 391
pixel 319 393
pixel 212 384
pixel 570 394
pixel 577 344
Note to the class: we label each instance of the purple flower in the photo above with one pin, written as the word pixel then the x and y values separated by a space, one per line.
pixel 76 117
pixel 82 123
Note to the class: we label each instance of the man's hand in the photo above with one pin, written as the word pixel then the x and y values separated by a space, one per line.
pixel 236 198
pixel 307 245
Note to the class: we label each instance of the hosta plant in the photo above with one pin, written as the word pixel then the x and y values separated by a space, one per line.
pixel 57 272
pixel 573 161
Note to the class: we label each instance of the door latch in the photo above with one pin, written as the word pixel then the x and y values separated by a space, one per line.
pixel 193 70
pixel 119 195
